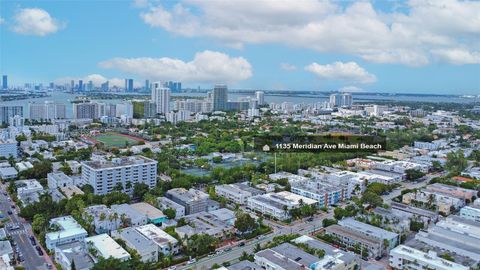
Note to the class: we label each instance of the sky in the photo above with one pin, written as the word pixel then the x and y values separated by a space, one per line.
pixel 417 46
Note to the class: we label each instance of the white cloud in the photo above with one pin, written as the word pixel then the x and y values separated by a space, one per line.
pixel 358 29
pixel 339 71
pixel 206 67
pixel 288 67
pixel 458 56
pixel 96 79
pixel 35 22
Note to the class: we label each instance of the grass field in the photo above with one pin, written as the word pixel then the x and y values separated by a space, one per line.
pixel 115 140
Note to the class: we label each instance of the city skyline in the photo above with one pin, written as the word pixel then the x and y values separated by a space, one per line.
pixel 378 46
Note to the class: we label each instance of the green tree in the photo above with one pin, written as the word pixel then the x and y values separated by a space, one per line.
pixel 456 162
pixel 413 174
pixel 244 222
pixel 139 190
pixel 170 213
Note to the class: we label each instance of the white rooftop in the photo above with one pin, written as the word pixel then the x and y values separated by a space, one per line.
pixel 107 247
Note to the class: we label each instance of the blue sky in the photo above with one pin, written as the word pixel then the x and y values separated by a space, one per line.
pixel 378 46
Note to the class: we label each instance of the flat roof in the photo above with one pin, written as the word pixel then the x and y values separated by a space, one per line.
pixel 118 162
pixel 294 253
pixel 154 233
pixel 135 239
pixel 367 228
pixel 329 250
pixel 357 236
pixel 431 258
pixel 107 246
pixel 244 265
pixel 151 212
pixel 68 228
pixel 279 260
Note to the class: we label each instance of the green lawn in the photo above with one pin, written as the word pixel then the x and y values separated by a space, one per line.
pixel 115 140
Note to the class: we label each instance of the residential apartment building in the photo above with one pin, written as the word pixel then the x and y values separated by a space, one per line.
pixel 166 203
pixel 217 223
pixel 334 259
pixel 146 248
pixel 274 204
pixel 471 213
pixel 193 200
pixel 285 257
pixel 9 111
pixel 326 194
pixel 8 148
pixel 352 238
pixel 68 231
pixel 466 194
pixel 132 216
pixel 403 257
pixel 74 253
pixel 456 235
pixel 47 111
pixel 371 231
pixel 105 247
pixel 104 219
pixel 59 180
pixel 166 244
pixel 105 175
pixel 237 193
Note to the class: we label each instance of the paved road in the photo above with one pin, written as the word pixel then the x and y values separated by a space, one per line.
pixel 32 261
pixel 301 227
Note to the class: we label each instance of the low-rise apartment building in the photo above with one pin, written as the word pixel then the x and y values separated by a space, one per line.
pixel 403 257
pixel 351 239
pixel 67 230
pixel 146 248
pixel 277 205
pixel 166 244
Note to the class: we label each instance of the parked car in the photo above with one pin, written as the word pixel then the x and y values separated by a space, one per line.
pixel 39 251
pixel 32 240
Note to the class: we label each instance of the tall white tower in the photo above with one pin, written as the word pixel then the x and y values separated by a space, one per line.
pixel 161 97
pixel 260 95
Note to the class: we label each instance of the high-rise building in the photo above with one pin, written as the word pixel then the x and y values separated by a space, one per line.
pixel 84 110
pixel 260 95
pixel 4 82
pixel 72 85
pixel 104 175
pixel 110 110
pixel 80 85
pixel 335 100
pixel 161 97
pixel 147 86
pixel 47 111
pixel 90 86
pixel 220 97
pixel 9 111
pixel 105 86
pixel 347 100
pixel 128 85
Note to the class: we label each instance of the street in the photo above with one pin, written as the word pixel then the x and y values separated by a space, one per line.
pixel 300 227
pixel 20 236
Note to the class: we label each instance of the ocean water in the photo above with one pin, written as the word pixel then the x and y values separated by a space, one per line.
pixel 275 98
